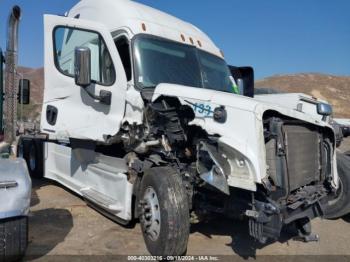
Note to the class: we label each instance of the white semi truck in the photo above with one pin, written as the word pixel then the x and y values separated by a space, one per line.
pixel 143 118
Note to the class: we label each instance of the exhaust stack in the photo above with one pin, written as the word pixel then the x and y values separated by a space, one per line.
pixel 11 81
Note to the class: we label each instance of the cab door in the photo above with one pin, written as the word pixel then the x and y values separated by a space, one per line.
pixel 69 110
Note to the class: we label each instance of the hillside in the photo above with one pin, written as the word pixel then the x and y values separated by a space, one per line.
pixel 334 89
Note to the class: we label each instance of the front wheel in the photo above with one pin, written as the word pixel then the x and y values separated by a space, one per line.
pixel 164 212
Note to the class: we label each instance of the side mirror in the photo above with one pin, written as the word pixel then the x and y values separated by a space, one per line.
pixel 244 77
pixel 24 92
pixel 82 66
pixel 324 109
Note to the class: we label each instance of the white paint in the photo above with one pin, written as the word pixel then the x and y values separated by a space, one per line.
pixel 130 15
pixel 81 117
pixel 292 100
pixel 243 130
pixel 64 167
pixel 342 121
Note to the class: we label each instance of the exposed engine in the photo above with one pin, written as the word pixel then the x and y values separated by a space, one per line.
pixel 163 131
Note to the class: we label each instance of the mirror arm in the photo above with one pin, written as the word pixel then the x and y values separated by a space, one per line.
pixel 92 95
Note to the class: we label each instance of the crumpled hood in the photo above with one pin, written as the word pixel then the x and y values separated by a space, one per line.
pixel 243 129
pixel 216 98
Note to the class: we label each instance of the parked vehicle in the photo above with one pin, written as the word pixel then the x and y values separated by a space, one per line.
pixel 15 182
pixel 144 119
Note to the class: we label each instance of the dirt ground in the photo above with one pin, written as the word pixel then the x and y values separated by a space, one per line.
pixel 62 224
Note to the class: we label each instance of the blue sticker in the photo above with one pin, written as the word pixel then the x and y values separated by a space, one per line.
pixel 203 109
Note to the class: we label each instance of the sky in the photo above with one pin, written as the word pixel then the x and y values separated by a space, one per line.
pixel 273 36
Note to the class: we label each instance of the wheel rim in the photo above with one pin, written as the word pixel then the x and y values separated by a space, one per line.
pixel 32 160
pixel 150 214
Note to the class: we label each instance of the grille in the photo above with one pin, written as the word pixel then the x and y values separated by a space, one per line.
pixel 303 155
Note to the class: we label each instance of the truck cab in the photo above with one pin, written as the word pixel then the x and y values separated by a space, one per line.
pixel 125 41
pixel 143 118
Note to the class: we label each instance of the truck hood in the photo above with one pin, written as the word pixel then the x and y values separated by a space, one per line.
pixel 210 99
pixel 243 129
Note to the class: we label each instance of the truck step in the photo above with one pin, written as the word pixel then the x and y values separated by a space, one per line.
pixel 101 200
pixel 109 164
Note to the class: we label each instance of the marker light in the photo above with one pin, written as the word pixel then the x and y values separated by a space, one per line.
pixel 183 38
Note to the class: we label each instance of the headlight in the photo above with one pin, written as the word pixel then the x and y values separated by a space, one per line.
pixel 238 168
pixel 224 166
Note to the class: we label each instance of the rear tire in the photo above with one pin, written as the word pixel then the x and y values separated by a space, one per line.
pixel 32 151
pixel 164 213
pixel 13 238
pixel 340 206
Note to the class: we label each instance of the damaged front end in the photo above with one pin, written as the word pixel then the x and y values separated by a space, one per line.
pixel 271 165
pixel 300 164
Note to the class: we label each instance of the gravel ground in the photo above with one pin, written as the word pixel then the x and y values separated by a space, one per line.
pixel 62 224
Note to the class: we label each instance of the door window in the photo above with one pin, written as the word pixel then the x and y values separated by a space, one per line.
pixel 66 39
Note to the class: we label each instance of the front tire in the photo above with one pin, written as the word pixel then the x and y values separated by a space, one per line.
pixel 164 212
pixel 340 205
pixel 13 238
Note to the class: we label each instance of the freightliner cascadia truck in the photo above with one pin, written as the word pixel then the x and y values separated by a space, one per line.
pixel 144 119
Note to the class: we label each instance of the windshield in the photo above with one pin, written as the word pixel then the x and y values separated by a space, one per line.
pixel 163 61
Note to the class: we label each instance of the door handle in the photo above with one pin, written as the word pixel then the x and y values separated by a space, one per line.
pixel 51 115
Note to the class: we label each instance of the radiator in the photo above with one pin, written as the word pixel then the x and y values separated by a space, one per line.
pixel 303 155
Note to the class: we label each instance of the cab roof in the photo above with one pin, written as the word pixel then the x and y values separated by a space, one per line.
pixel 138 18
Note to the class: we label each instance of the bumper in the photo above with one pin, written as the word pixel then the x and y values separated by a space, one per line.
pixel 267 218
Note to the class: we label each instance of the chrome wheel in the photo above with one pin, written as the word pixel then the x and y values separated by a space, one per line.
pixel 150 214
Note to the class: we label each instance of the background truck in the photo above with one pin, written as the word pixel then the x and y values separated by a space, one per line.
pixel 15 183
pixel 143 118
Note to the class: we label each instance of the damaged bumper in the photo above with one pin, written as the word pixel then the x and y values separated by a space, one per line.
pixel 267 218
